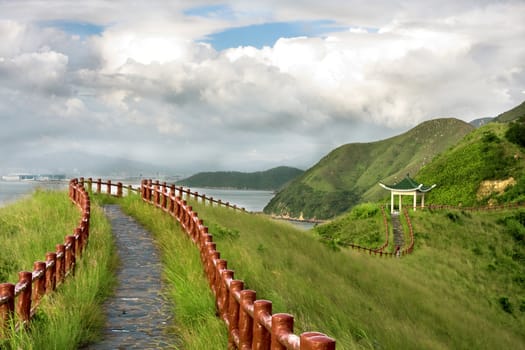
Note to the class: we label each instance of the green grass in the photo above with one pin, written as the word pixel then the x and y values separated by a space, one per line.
pixel 485 154
pixel 364 226
pixel 445 295
pixel 73 315
pixel 193 302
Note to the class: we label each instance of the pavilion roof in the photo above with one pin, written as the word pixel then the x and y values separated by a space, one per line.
pixel 408 184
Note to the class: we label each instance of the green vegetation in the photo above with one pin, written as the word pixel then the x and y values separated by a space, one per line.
pixel 463 286
pixel 193 302
pixel 73 315
pixel 363 226
pixel 350 174
pixel 272 179
pixel 516 132
pixel 483 155
pixel 512 114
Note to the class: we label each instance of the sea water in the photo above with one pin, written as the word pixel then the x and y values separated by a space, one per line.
pixel 251 200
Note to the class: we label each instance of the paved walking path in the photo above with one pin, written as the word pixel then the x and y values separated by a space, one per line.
pixel 399 241
pixel 138 315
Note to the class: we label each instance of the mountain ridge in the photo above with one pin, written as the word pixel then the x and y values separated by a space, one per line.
pixel 271 179
pixel 350 173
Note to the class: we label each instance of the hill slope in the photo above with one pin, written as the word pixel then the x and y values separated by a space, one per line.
pixel 512 114
pixel 482 168
pixel 350 174
pixel 272 179
pixel 462 288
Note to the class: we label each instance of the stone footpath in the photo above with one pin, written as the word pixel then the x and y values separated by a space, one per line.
pixel 399 241
pixel 138 316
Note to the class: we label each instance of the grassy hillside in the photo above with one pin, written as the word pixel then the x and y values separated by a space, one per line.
pixel 513 114
pixel 272 179
pixel 350 174
pixel 462 288
pixel 475 171
pixel 74 314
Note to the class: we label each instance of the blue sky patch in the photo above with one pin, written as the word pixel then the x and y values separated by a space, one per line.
pixel 259 35
pixel 82 29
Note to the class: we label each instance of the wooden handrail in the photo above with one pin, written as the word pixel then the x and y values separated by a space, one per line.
pixel 250 322
pixel 118 191
pixel 32 286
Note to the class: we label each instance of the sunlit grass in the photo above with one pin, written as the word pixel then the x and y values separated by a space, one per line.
pixel 73 315
pixel 443 296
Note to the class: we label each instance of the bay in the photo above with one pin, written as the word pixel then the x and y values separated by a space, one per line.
pixel 251 200
pixel 11 191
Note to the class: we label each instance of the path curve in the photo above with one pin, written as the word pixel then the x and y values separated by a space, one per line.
pixel 138 317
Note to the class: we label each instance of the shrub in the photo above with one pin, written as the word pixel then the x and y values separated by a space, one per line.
pixel 505 304
pixel 516 132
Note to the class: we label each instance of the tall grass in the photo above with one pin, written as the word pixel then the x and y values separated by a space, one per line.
pixel 444 295
pixel 193 303
pixel 73 315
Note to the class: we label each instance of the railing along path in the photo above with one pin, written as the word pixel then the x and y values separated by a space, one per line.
pixel 118 188
pixel 18 302
pixel 380 251
pixel 251 324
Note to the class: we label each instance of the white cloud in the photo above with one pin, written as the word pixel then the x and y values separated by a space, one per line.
pixel 146 86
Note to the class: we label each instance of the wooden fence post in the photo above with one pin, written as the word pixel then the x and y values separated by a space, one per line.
pixel 233 313
pixel 316 341
pixel 70 253
pixel 262 311
pixel 7 305
pixel 119 190
pixel 108 187
pixel 164 197
pixel 245 320
pixel 99 185
pixel 39 283
pixel 23 307
pixel 60 263
pixel 90 184
pixel 51 271
pixel 282 326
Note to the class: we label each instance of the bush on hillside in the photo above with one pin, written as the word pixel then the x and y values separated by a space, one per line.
pixel 516 132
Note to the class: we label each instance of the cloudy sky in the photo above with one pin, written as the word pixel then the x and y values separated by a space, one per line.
pixel 247 85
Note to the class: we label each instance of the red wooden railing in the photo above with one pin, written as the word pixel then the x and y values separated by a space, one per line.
pixel 118 190
pixel 379 251
pixel 251 324
pixel 18 302
pixel 481 208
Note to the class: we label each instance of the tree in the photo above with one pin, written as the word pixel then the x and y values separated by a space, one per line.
pixel 516 132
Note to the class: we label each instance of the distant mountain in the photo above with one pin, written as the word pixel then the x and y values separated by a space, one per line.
pixel 480 122
pixel 513 114
pixel 84 164
pixel 272 179
pixel 350 174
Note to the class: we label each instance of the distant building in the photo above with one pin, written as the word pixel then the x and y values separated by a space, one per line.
pixel 34 177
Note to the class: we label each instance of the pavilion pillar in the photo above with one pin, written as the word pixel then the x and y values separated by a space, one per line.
pixel 400 201
pixel 391 202
pixel 422 200
pixel 415 200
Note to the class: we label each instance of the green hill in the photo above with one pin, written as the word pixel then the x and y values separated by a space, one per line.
pixel 483 168
pixel 462 288
pixel 350 174
pixel 272 179
pixel 513 114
